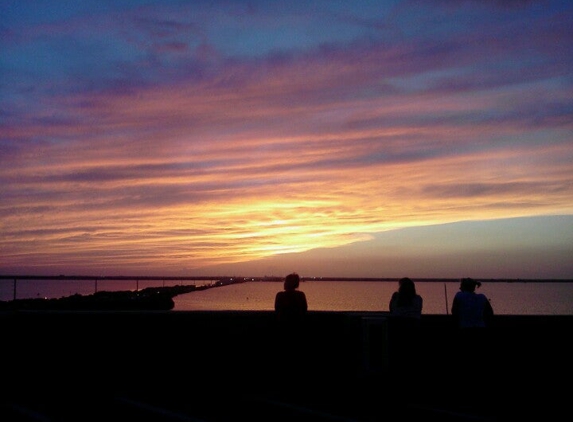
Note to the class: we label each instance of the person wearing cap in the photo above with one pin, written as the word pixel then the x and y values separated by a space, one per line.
pixel 471 309
pixel 472 313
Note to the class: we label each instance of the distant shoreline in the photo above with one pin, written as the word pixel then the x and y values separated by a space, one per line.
pixel 161 298
pixel 227 279
pixel 151 298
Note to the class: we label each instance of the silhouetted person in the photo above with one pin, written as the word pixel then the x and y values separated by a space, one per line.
pixel 472 313
pixel 470 309
pixel 406 302
pixel 290 304
pixel 290 310
pixel 405 315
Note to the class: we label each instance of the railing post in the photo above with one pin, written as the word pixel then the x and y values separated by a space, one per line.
pixel 375 348
pixel 14 289
pixel 95 285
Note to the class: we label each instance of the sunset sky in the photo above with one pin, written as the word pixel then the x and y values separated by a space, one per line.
pixel 333 138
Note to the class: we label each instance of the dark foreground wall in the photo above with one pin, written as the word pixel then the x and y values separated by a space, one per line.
pixel 225 351
pixel 159 344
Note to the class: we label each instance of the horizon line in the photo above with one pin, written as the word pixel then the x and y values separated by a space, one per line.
pixel 264 278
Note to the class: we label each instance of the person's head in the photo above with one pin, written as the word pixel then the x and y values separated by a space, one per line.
pixel 406 287
pixel 291 281
pixel 469 284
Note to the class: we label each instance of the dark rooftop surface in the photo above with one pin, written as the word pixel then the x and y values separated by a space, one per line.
pixel 229 366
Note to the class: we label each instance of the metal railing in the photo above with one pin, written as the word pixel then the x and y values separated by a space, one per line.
pixel 96 279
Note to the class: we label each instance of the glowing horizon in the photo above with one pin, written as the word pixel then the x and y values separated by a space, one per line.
pixel 172 139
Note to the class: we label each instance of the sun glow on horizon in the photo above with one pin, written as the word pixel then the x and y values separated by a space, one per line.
pixel 139 157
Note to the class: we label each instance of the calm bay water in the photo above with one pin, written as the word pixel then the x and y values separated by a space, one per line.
pixel 515 298
pixel 531 298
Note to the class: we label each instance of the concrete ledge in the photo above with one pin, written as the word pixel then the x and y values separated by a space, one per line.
pixel 124 339
pixel 156 352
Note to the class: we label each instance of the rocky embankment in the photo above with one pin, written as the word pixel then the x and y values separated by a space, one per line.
pixel 152 298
